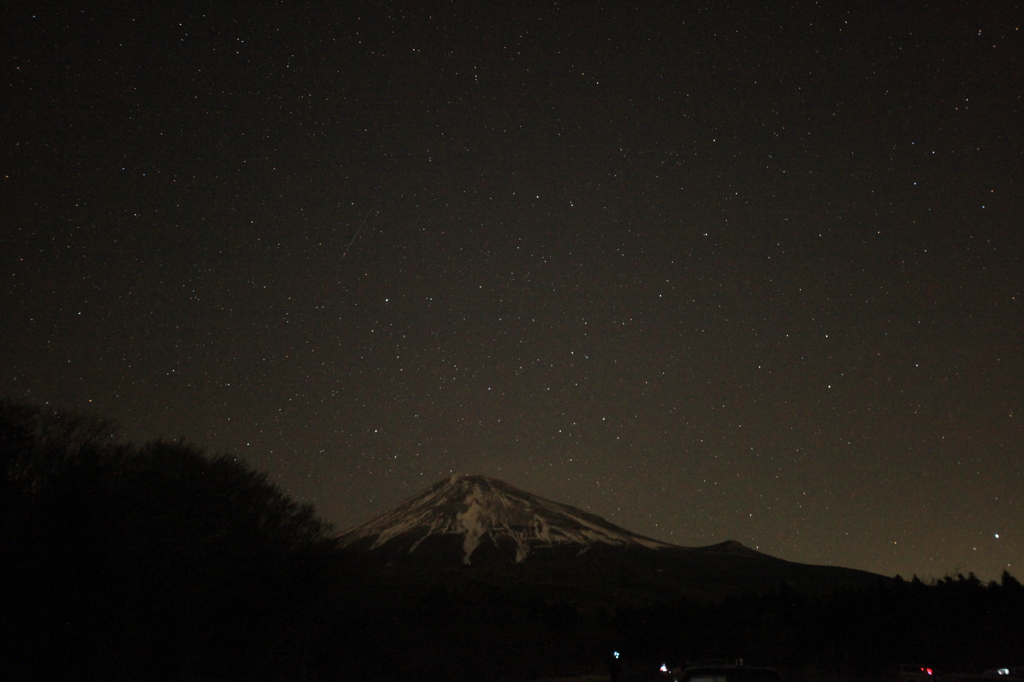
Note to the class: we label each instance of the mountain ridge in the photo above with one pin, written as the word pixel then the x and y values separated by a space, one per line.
pixel 486 510
pixel 475 531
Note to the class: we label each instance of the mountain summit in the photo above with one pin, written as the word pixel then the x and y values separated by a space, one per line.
pixel 484 518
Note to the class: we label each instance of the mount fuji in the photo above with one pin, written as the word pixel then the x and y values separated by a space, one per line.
pixel 473 564
pixel 486 531
pixel 489 518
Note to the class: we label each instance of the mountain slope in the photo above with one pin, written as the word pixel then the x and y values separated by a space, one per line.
pixel 478 533
pixel 487 517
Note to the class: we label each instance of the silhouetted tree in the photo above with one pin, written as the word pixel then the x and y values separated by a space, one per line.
pixel 151 562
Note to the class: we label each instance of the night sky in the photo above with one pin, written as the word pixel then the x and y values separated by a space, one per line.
pixel 711 271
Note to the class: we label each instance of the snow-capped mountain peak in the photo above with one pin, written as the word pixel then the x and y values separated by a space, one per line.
pixel 483 512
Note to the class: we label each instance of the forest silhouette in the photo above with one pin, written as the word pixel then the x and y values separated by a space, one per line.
pixel 155 561
pixel 162 561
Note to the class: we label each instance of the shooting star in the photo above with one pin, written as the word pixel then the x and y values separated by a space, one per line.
pixel 360 229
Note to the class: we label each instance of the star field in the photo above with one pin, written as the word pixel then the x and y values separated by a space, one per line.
pixel 709 272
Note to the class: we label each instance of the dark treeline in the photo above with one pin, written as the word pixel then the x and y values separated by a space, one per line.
pixel 164 562
pixel 954 624
pixel 154 561
pixel 453 629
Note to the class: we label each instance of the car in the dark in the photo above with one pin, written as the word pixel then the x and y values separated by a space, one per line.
pixel 912 672
pixel 1004 674
pixel 730 673
pixel 670 672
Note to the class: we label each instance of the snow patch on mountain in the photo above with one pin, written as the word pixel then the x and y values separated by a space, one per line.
pixel 482 510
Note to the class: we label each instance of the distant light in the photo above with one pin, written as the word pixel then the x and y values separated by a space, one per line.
pixel 997 536
pixel 663 668
pixel 615 654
